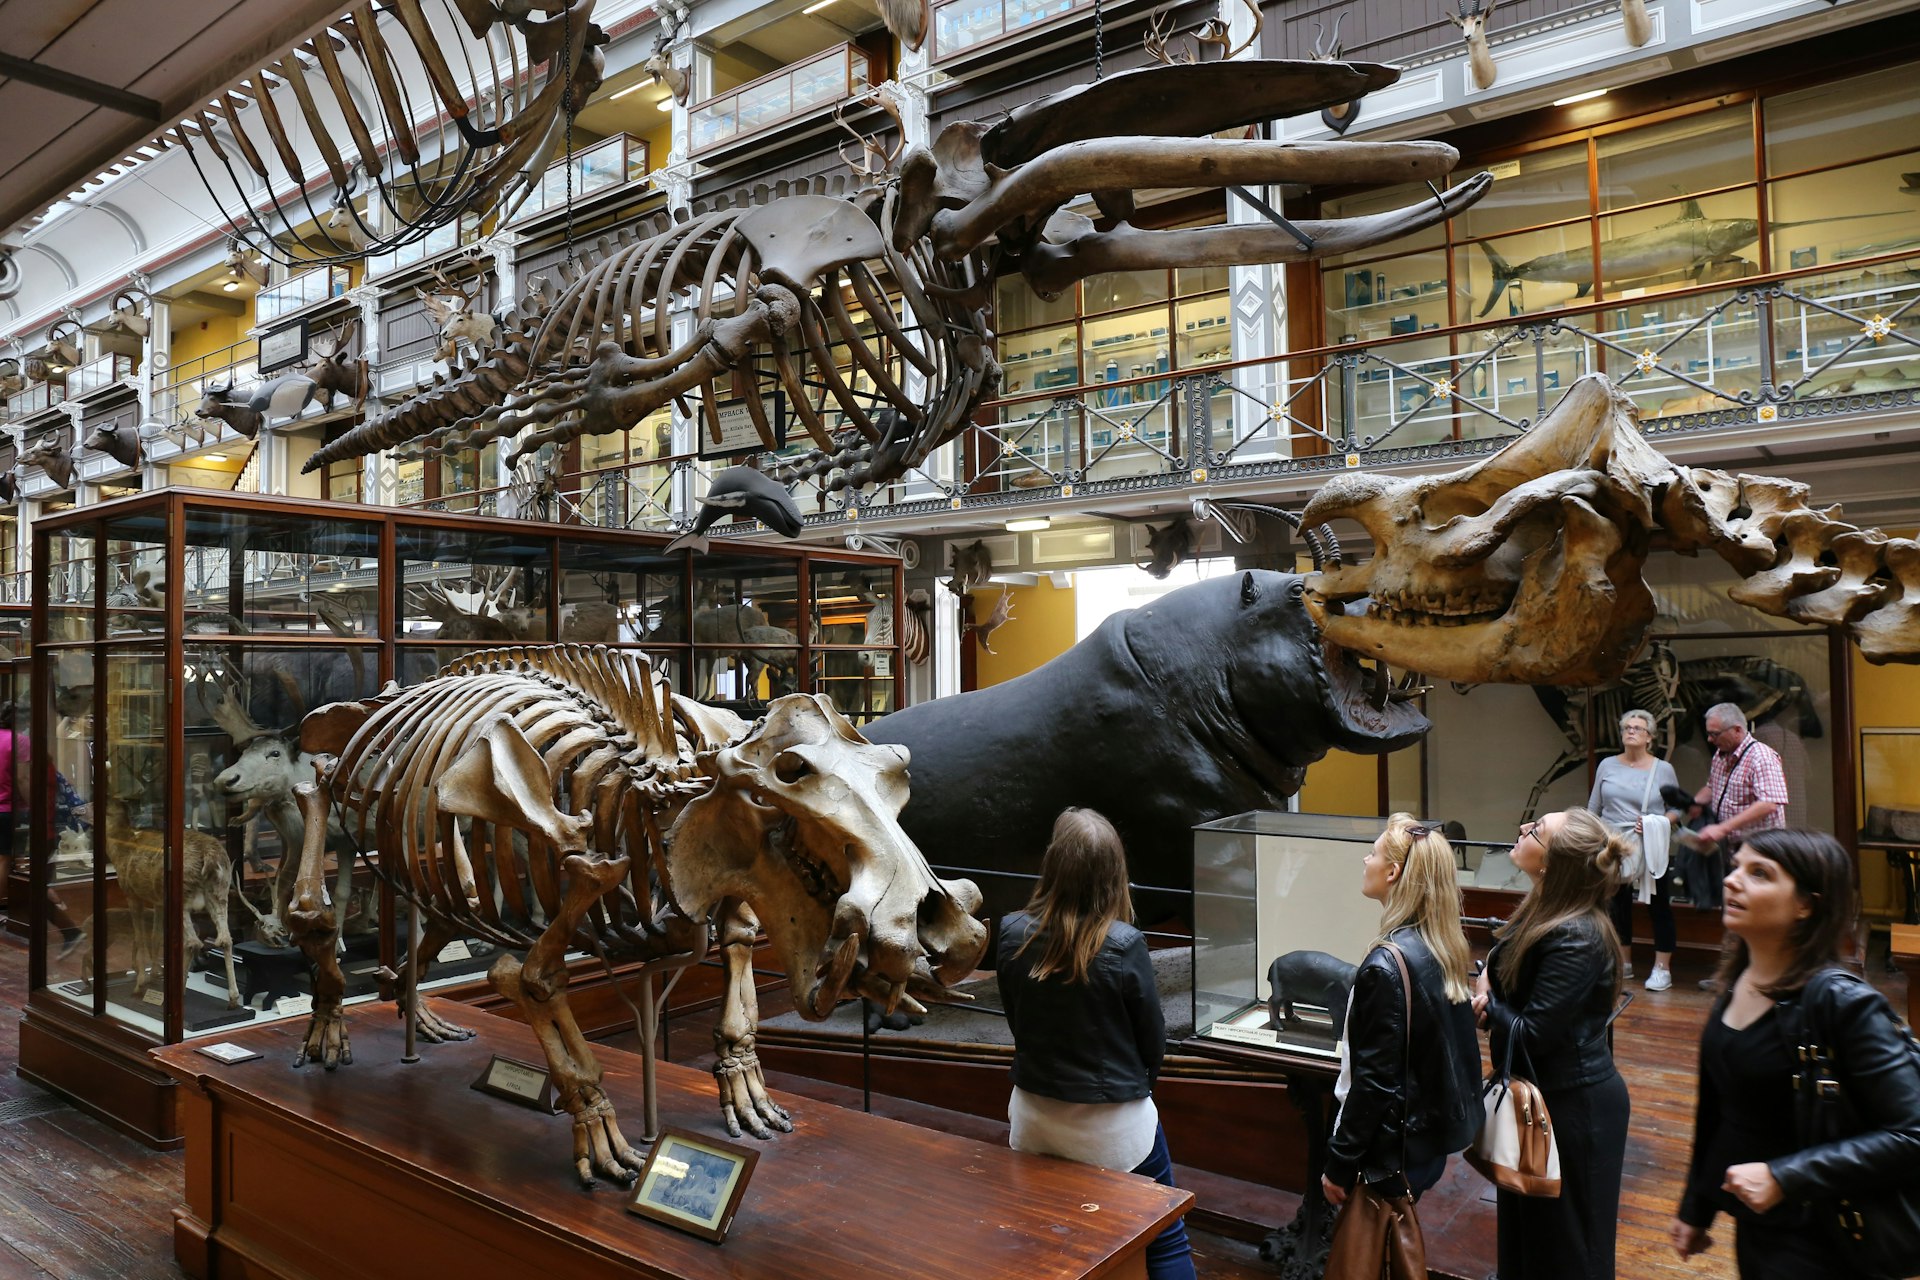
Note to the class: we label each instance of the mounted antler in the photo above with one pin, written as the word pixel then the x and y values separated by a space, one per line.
pixel 1340 116
pixel 1214 31
pixel 874 160
pixel 229 709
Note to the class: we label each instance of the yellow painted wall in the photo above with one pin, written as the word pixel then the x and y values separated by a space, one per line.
pixel 1885 697
pixel 190 341
pixel 1343 783
pixel 1041 629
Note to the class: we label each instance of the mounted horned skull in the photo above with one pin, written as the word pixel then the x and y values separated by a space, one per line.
pixel 129 312
pixel 1526 567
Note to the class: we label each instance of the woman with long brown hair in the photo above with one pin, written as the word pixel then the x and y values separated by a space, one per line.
pixel 1789 913
pixel 1546 998
pixel 1088 1034
pixel 1409 1090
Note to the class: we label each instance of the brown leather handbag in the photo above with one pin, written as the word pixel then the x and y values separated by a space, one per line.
pixel 1379 1235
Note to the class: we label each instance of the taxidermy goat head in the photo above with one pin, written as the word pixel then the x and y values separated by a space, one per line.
pixel 1526 567
pixel 1472 20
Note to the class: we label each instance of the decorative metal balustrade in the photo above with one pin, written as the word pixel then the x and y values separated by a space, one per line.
pixel 298 292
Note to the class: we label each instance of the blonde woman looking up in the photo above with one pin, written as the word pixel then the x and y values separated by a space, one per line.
pixel 1409 1093
pixel 1626 790
pixel 1088 1034
pixel 1546 998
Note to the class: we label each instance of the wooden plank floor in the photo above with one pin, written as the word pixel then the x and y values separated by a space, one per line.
pixel 79 1200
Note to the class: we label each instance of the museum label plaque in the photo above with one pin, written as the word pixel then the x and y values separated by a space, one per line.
pixel 693 1182
pixel 226 1052
pixel 518 1082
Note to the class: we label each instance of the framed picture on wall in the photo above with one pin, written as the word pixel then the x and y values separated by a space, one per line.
pixel 284 346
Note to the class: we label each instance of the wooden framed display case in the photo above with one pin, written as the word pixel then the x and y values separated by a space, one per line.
pixel 14 662
pixel 178 637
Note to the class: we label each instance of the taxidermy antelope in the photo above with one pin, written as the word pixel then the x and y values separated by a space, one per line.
pixel 655 829
pixel 1633 13
pixel 1340 116
pixel 139 860
pixel 1472 20
pixel 922 255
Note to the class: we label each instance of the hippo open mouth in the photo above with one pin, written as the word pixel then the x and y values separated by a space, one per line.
pixel 1370 706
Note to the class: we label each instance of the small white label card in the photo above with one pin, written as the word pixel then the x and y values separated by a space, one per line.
pixel 155 996
pixel 455 950
pixel 287 1006
pixel 227 1051
pixel 518 1082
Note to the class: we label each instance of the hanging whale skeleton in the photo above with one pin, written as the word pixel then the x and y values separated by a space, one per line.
pixel 775 285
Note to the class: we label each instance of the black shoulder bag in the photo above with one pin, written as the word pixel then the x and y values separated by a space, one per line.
pixel 1878 1234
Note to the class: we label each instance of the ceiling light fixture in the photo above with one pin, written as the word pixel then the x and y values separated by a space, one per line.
pixel 665 104
pixel 1588 96
pixel 231 285
pixel 635 87
pixel 215 457
pixel 1029 524
pixel 816 6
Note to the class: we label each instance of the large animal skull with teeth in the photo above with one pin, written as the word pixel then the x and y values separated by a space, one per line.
pixel 1526 567
pixel 845 896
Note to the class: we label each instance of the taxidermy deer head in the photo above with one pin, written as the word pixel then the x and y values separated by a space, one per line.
pixel 453 309
pixel 1639 26
pixel 1472 20
pixel 1340 116
pixel 1213 31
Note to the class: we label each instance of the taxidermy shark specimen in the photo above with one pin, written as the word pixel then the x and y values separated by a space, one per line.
pixel 1688 243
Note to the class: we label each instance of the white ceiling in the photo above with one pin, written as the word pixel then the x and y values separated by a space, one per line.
pixel 174 53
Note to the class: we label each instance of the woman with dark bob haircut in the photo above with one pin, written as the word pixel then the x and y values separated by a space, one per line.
pixel 1088 1033
pixel 1789 915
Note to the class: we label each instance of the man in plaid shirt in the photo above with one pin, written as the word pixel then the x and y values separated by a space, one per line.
pixel 1745 783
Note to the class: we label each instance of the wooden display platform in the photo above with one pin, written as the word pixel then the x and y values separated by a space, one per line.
pixel 383 1169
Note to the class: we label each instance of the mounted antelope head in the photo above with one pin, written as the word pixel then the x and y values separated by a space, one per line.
pixel 244 260
pixel 64 338
pixel 873 160
pixel 1472 20
pixel 1639 26
pixel 1339 117
pixel 660 66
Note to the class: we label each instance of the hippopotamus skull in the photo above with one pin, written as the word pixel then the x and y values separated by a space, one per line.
pixel 1526 568
pixel 802 823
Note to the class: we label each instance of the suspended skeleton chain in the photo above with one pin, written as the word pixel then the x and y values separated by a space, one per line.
pixel 649 823
pixel 502 122
pixel 774 286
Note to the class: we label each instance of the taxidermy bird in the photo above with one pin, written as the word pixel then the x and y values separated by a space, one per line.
pixel 742 491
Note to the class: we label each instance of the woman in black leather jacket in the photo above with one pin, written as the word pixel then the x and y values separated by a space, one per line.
pixel 1549 988
pixel 1789 911
pixel 1410 1097
pixel 1088 1034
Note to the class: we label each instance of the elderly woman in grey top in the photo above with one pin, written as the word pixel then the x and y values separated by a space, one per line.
pixel 1626 788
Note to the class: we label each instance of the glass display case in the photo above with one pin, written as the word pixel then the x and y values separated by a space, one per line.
pixel 179 638
pixel 1269 885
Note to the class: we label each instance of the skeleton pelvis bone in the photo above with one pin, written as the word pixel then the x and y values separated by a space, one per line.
pixel 1526 567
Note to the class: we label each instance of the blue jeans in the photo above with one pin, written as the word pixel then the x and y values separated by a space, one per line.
pixel 1169 1257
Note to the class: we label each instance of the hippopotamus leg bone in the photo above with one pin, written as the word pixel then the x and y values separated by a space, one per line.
pixel 736 1067
pixel 539 987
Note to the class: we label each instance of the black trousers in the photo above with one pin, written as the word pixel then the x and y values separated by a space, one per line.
pixel 1572 1237
pixel 1786 1251
pixel 1659 910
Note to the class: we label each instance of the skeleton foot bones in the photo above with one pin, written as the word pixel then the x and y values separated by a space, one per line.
pixel 571 781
